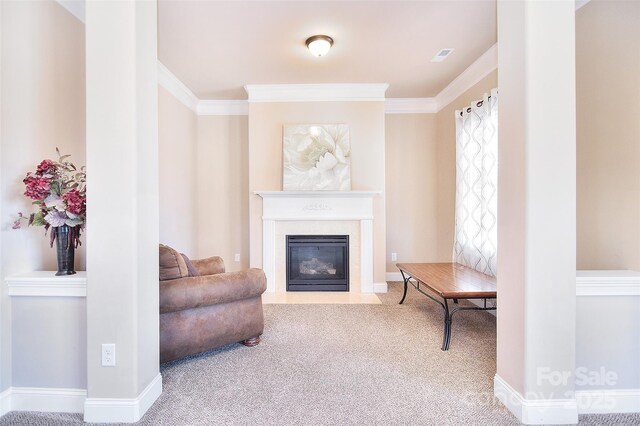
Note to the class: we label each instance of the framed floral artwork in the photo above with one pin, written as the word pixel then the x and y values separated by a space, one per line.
pixel 316 157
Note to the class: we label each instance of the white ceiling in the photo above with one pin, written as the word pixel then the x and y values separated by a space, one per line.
pixel 217 47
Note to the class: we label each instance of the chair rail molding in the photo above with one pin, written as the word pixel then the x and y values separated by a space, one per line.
pixel 608 283
pixel 46 284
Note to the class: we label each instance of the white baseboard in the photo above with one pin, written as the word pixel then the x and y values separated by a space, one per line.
pixel 393 276
pixel 52 400
pixel 122 410
pixel 380 287
pixel 5 402
pixel 608 401
pixel 535 411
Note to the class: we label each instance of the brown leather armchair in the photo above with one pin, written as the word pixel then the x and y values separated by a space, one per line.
pixel 215 308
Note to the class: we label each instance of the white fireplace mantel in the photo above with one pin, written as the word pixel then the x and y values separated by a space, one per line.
pixel 318 206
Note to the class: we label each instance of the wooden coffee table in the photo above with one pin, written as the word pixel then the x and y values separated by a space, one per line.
pixel 444 282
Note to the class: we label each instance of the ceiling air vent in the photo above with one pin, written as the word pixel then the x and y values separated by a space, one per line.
pixel 442 55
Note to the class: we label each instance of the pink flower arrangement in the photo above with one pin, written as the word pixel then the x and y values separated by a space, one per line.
pixel 37 187
pixel 58 189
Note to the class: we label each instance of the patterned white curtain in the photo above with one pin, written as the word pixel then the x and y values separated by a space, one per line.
pixel 476 233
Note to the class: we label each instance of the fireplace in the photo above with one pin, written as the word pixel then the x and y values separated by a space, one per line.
pixel 317 263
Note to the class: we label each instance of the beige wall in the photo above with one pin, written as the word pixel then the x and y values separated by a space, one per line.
pixel 43 107
pixel 177 165
pixel 223 188
pixel 446 160
pixel 608 107
pixel 411 188
pixel 366 121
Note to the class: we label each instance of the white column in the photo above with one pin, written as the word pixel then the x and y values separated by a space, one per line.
pixel 366 256
pixel 269 253
pixel 537 218
pixel 122 208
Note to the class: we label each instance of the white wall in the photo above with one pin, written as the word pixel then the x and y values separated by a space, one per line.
pixel 49 342
pixel 122 157
pixel 608 335
pixel 536 207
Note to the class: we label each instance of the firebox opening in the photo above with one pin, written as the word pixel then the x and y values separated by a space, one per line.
pixel 317 263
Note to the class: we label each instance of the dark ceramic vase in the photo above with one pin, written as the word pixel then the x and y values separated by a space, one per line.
pixel 65 250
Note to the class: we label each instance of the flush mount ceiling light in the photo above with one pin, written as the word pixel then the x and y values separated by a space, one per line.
pixel 319 45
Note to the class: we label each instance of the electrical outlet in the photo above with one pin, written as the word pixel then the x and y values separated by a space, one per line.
pixel 237 257
pixel 108 354
pixel 394 256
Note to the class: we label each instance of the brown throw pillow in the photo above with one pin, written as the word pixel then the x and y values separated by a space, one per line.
pixel 172 265
pixel 193 271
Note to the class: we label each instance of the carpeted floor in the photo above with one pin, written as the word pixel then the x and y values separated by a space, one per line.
pixel 339 365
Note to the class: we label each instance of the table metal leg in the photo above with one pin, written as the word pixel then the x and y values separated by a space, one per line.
pixel 406 283
pixel 446 338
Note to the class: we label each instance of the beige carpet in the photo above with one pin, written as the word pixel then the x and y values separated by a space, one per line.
pixel 339 365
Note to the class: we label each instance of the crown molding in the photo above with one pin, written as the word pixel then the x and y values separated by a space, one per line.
pixel 478 70
pixel 75 7
pixel 223 107
pixel 176 87
pixel 410 106
pixel 315 92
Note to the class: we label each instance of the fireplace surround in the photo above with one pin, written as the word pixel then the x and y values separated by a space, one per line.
pixel 342 212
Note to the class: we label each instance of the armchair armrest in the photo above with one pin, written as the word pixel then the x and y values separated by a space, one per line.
pixel 195 292
pixel 209 266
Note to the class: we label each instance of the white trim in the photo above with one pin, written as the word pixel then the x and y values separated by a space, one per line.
pixel 380 288
pixel 317 194
pixel 46 284
pixel 279 206
pixel 393 276
pixel 535 411
pixel 366 252
pixel 410 106
pixel 315 92
pixel 53 400
pixel 223 108
pixel 124 410
pixel 75 7
pixel 478 70
pixel 580 3
pixel 176 87
pixel 5 402
pixel 608 401
pixel 608 283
